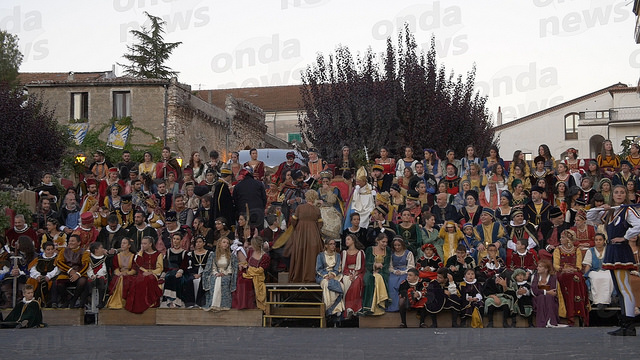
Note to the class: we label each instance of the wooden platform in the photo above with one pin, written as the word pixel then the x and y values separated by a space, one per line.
pixel 53 317
pixel 199 317
pixel 123 317
pixel 392 320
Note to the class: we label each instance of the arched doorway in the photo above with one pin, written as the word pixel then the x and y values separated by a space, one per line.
pixel 595 144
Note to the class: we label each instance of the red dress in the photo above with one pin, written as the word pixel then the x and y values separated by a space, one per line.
pixel 145 292
pixel 573 287
pixel 353 264
pixel 245 297
pixel 389 168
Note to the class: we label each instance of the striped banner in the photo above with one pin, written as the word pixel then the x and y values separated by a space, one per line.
pixel 79 132
pixel 118 136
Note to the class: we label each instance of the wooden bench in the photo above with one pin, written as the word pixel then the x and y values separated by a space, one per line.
pixel 199 317
pixel 124 317
pixel 291 301
pixel 55 317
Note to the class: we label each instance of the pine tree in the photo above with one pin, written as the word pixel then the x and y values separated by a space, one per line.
pixel 148 56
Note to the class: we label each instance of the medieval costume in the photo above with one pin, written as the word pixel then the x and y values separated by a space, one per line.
pixel 219 281
pixel 332 290
pixel 122 280
pixel 353 269
pixel 145 292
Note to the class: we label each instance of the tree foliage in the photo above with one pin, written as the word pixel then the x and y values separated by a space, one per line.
pixel 10 58
pixel 148 56
pixel 33 142
pixel 401 98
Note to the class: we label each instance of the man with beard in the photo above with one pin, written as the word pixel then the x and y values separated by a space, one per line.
pixel 45 212
pixel 125 212
pixel 138 197
pixel 126 165
pixel 381 182
pixel 69 214
pixel 139 230
pixel 172 227
pixel 111 234
pixel 91 197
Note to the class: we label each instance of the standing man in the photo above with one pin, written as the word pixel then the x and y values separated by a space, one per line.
pixel 250 193
pixel 126 165
pixel 223 203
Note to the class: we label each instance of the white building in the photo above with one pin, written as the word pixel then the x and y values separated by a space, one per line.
pixel 583 123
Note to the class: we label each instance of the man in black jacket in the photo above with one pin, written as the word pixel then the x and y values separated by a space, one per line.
pixel 250 193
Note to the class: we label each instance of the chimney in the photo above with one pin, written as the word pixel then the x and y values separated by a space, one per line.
pixel 70 76
pixel 499 116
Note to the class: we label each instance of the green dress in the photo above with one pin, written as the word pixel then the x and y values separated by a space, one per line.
pixel 376 285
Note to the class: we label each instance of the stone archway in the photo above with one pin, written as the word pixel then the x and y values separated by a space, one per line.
pixel 595 145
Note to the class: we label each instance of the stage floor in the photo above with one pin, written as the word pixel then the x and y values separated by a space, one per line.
pixel 200 342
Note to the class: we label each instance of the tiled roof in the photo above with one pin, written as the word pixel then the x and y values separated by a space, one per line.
pixel 619 87
pixel 35 79
pixel 270 98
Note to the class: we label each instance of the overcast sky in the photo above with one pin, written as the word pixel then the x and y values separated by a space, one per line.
pixel 529 54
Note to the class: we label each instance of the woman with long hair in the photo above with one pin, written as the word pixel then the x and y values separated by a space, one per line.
pixel 197 166
pixel 328 275
pixel 545 291
pixel 549 161
pixel 608 160
pixel 145 292
pixel 123 274
pixel 219 277
pixel 518 159
pixel 147 166
pixel 353 269
pixel 492 159
pixel 567 262
pixel 622 223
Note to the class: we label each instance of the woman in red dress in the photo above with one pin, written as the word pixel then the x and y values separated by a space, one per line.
pixel 388 164
pixel 353 262
pixel 258 261
pixel 123 275
pixel 244 297
pixel 256 165
pixel 145 292
pixel 567 261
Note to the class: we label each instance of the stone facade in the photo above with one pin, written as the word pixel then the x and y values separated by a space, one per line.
pixel 192 124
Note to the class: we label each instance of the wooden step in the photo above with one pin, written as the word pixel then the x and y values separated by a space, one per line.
pixel 199 317
pixel 55 317
pixel 126 318
pixel 296 310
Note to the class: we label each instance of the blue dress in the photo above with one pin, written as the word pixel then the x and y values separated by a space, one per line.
pixel 397 263
pixel 619 256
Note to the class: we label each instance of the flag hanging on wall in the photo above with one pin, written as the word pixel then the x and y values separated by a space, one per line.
pixel 118 136
pixel 78 132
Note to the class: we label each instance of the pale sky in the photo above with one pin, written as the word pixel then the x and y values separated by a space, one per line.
pixel 529 54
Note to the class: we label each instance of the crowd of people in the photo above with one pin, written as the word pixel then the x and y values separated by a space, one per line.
pixel 541 240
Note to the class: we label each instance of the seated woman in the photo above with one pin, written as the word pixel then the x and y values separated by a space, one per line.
pixel 175 266
pixel 353 264
pixel 567 261
pixel 470 213
pixel 545 295
pixel 123 275
pixel 401 261
pixel 145 291
pixel 258 262
pixel 598 280
pixel 328 275
pixel 376 278
pixel 219 277
pixel 193 291
pixel 221 230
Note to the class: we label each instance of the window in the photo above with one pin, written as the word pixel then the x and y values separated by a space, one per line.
pixel 602 114
pixel 571 126
pixel 121 104
pixel 79 105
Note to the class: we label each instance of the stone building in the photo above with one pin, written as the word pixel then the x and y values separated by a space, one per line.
pixel 166 110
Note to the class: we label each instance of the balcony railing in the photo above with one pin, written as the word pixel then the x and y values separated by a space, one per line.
pixel 612 116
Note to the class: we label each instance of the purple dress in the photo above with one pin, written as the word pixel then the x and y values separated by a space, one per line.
pixel 545 306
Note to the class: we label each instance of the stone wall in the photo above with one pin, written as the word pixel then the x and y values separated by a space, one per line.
pixel 247 124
